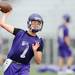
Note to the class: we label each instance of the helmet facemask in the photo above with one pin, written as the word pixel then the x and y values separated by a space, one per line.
pixel 36 18
pixel 35 28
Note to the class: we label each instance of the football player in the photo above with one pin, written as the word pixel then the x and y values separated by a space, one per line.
pixel 26 44
pixel 64 50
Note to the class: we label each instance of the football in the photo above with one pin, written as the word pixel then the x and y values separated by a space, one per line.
pixel 5 7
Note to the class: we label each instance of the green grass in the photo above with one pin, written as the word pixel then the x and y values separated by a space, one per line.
pixel 35 72
pixel 1 73
pixel 46 73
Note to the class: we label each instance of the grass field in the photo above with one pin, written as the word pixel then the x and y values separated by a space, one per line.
pixel 34 71
pixel 47 73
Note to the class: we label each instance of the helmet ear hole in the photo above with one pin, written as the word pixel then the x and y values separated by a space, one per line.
pixel 29 22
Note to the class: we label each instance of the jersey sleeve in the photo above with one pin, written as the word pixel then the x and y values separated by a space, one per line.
pixel 16 30
pixel 41 45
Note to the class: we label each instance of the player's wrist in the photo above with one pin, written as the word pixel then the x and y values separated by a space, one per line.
pixel 34 51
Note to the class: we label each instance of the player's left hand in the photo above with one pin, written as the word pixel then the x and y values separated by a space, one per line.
pixel 35 46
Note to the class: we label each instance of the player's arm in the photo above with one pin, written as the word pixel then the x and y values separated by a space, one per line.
pixel 38 56
pixel 67 40
pixel 66 37
pixel 7 27
pixel 38 49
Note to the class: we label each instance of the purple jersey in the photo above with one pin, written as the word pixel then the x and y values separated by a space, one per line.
pixel 63 48
pixel 21 50
pixel 62 33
